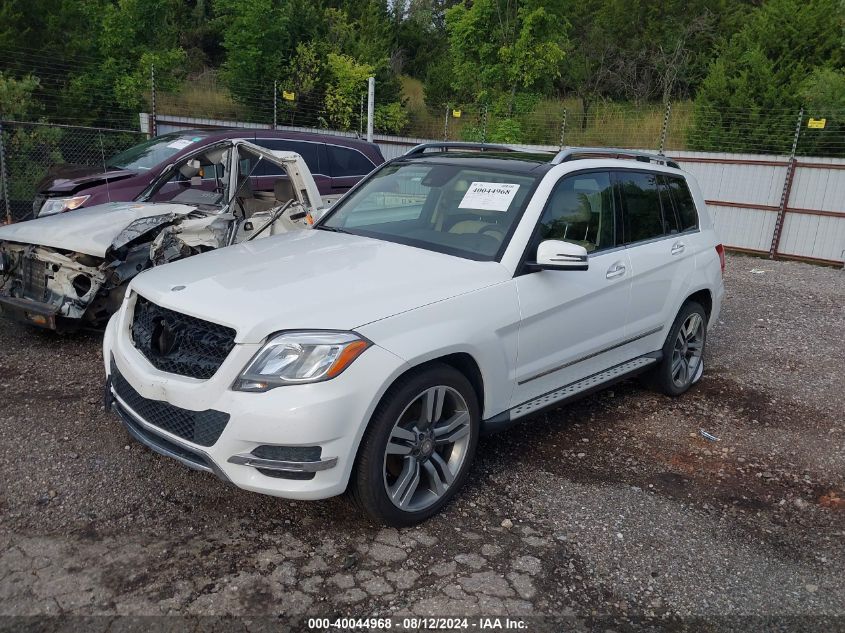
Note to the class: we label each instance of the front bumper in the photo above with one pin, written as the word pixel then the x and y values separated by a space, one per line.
pixel 324 420
pixel 30 312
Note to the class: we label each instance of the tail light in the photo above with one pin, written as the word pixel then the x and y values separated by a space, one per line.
pixel 721 250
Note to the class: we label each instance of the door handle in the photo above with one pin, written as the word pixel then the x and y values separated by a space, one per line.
pixel 678 248
pixel 617 270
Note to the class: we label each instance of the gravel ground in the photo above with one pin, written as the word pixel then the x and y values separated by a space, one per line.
pixel 612 512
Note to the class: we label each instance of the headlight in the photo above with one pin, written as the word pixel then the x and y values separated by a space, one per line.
pixel 295 358
pixel 53 206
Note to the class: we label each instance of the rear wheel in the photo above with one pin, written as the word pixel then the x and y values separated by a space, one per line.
pixel 418 448
pixel 683 352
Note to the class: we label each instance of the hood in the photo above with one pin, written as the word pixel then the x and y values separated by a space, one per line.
pixel 91 230
pixel 68 178
pixel 311 280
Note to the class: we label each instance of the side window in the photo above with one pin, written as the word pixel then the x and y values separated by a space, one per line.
pixel 643 217
pixel 310 153
pixel 581 210
pixel 347 162
pixel 670 216
pixel 684 204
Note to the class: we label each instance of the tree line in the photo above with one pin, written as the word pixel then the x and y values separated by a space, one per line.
pixel 91 60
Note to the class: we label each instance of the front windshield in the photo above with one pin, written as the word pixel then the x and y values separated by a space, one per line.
pixel 457 209
pixel 148 154
pixel 199 178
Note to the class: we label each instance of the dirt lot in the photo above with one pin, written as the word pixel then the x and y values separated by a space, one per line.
pixel 616 512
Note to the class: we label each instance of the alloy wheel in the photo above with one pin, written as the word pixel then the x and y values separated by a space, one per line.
pixel 427 448
pixel 687 351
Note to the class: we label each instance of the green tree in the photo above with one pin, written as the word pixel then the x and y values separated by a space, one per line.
pixel 498 46
pixel 346 80
pixel 753 90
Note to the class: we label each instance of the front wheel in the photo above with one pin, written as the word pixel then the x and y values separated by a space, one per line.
pixel 417 451
pixel 683 352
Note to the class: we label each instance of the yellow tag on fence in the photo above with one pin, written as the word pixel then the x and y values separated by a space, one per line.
pixel 456 114
pixel 288 96
pixel 816 124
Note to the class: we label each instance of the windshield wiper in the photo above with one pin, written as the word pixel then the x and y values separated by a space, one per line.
pixel 333 229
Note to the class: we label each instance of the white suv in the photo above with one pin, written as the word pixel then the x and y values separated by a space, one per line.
pixel 450 293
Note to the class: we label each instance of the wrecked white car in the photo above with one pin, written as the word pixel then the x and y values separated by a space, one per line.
pixel 70 270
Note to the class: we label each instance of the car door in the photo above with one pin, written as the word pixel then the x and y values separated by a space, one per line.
pixel 574 321
pixel 347 166
pixel 662 258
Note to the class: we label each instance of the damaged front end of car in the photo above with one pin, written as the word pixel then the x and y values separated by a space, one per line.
pixel 70 272
pixel 64 291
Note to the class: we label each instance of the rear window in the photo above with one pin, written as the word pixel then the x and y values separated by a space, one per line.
pixel 310 153
pixel 347 162
pixel 684 203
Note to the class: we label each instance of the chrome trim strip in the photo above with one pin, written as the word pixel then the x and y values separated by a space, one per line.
pixel 170 438
pixel 589 356
pixel 247 459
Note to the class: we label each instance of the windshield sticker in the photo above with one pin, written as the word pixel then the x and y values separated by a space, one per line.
pixel 181 143
pixel 489 196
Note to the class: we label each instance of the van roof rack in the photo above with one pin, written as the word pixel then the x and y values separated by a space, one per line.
pixel 446 146
pixel 575 153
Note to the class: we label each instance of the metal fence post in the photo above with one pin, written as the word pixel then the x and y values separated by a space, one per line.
pixel 4 178
pixel 484 125
pixel 787 187
pixel 446 124
pixel 562 129
pixel 275 102
pixel 664 130
pixel 371 107
pixel 154 119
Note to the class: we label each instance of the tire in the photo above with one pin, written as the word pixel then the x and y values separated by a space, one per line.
pixel 668 377
pixel 409 464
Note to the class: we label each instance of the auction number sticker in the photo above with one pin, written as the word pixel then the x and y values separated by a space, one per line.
pixel 489 196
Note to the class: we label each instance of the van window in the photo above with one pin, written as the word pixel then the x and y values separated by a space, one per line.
pixel 684 204
pixel 643 216
pixel 580 210
pixel 347 162
pixel 310 153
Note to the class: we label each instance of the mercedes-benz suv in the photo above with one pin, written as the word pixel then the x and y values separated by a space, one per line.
pixel 448 294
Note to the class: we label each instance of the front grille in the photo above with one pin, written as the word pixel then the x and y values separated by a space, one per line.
pixel 200 427
pixel 159 443
pixel 178 343
pixel 33 279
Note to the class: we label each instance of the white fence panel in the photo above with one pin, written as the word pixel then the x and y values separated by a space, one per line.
pixel 818 188
pixel 744 227
pixel 819 237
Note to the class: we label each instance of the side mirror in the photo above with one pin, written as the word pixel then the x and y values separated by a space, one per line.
pixel 560 255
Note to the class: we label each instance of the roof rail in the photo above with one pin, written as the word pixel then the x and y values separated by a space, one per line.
pixel 575 153
pixel 457 145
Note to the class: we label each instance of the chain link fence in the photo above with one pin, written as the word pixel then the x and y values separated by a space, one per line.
pixel 30 150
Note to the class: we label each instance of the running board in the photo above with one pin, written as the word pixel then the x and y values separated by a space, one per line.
pixel 569 392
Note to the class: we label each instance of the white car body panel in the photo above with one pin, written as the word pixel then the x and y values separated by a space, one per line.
pixel 311 280
pixel 90 230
